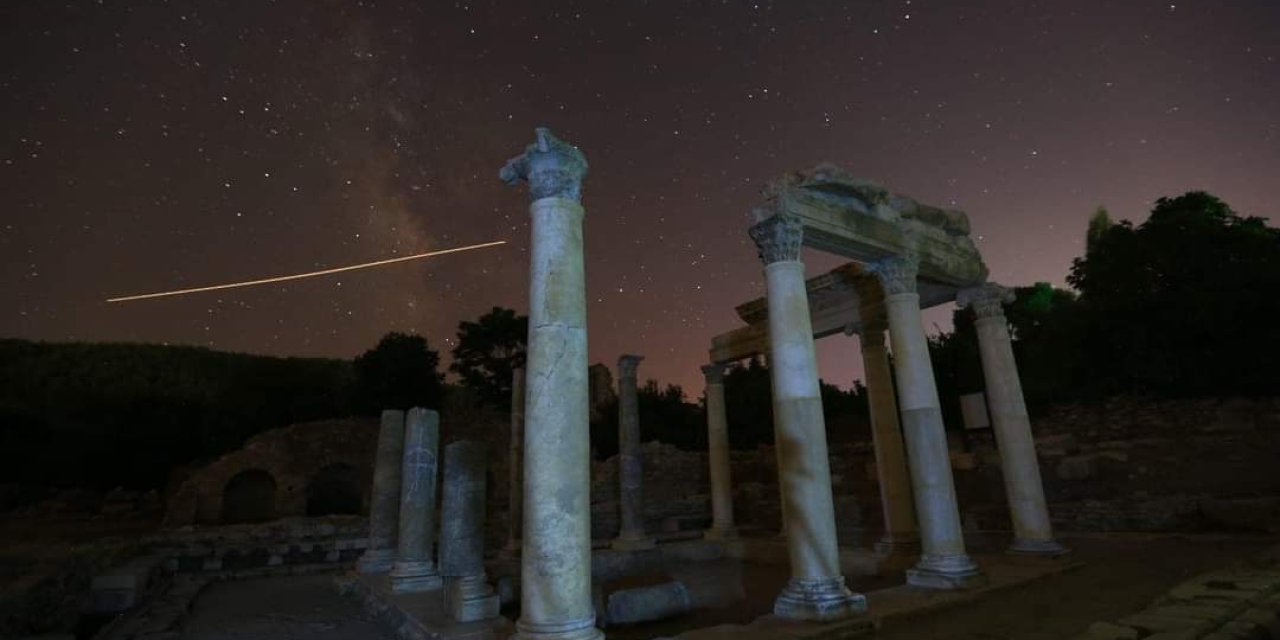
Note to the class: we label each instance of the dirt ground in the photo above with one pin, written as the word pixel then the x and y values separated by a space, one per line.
pixel 286 608
pixel 1122 574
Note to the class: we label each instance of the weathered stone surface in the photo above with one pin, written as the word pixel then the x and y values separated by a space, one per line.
pixel 462 533
pixel 645 604
pixel 1112 631
pixel 384 510
pixel 631 534
pixel 556 557
pixel 415 569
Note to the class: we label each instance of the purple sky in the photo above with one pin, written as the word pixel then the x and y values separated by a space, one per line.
pixel 202 142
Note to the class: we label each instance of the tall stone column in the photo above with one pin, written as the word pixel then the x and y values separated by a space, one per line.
pixel 515 466
pixel 944 563
pixel 462 533
pixel 415 569
pixel 901 533
pixel 631 536
pixel 718 456
pixel 555 585
pixel 816 590
pixel 1032 532
pixel 384 504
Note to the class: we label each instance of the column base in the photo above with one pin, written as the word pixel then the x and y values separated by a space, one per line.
pixel 717 534
pixel 376 561
pixel 414 576
pixel 946 572
pixel 581 629
pixel 629 543
pixel 897 546
pixel 1041 548
pixel 819 600
pixel 471 599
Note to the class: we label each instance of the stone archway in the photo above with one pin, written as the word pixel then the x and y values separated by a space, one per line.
pixel 335 489
pixel 249 496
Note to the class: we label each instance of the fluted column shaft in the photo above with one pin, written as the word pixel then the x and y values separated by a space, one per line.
pixel 415 567
pixel 1032 530
pixel 722 527
pixel 630 466
pixel 384 503
pixel 555 593
pixel 816 590
pixel 901 533
pixel 944 562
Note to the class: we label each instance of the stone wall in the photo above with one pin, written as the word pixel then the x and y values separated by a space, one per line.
pixel 294 458
pixel 1125 464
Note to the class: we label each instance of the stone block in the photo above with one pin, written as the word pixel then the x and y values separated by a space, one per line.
pixel 1152 623
pixel 645 604
pixel 1111 631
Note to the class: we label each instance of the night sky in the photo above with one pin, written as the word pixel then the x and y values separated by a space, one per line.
pixel 159 145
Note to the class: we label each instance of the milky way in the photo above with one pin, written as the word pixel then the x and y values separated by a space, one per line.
pixel 164 147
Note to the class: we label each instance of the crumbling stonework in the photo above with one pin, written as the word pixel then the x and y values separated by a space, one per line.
pixel 294 458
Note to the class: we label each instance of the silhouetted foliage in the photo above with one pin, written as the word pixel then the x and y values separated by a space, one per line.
pixel 488 350
pixel 748 399
pixel 665 416
pixel 1180 305
pixel 399 373
pixel 102 415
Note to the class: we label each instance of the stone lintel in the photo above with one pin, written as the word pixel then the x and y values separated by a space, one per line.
pixel 835 306
pixel 864 222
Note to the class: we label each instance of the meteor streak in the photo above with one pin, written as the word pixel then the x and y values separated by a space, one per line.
pixel 310 274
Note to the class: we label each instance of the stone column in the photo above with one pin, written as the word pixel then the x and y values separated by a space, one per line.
pixel 631 536
pixel 718 456
pixel 462 533
pixel 415 569
pixel 901 533
pixel 816 590
pixel 384 504
pixel 944 563
pixel 1032 532
pixel 555 593
pixel 515 459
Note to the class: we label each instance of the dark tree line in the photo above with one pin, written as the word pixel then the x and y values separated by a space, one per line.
pixel 1183 304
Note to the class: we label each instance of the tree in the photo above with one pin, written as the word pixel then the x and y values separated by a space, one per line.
pixel 399 373
pixel 488 351
pixel 1183 304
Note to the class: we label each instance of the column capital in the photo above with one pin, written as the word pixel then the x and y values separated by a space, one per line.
pixel 552 167
pixel 714 373
pixel 987 300
pixel 897 274
pixel 627 365
pixel 778 238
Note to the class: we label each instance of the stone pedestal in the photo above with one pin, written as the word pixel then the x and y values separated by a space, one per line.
pixel 555 593
pixel 901 533
pixel 515 469
pixel 944 563
pixel 718 457
pixel 414 569
pixel 384 504
pixel 462 533
pixel 631 536
pixel 1032 531
pixel 816 590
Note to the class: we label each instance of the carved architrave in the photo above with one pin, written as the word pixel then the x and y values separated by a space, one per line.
pixel 714 373
pixel 552 167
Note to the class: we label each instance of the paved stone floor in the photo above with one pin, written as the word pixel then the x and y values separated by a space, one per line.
pixel 1121 574
pixel 285 608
